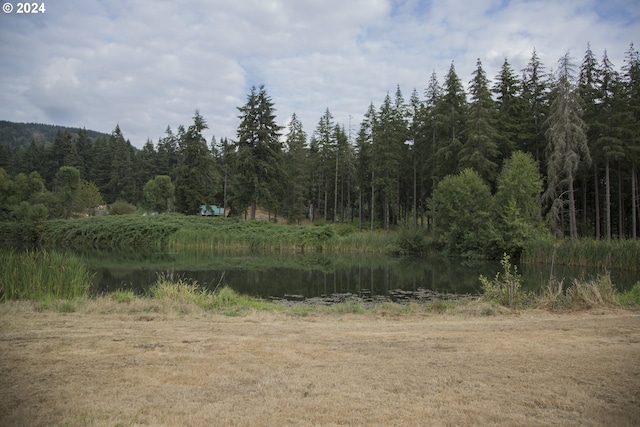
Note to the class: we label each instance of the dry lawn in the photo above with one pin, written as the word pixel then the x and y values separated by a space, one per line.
pixel 95 367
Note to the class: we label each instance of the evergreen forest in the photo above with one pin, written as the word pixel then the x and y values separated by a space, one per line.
pixel 482 165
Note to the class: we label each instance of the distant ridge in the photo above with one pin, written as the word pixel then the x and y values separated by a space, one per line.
pixel 20 135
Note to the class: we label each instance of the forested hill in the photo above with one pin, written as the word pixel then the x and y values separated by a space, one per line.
pixel 20 135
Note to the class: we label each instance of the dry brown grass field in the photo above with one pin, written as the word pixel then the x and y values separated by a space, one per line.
pixel 104 365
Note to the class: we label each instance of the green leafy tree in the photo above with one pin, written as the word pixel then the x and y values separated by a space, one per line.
pixel 196 177
pixel 518 203
pixel 31 218
pixel 86 198
pixel 567 145
pixel 462 209
pixel 159 194
pixel 7 191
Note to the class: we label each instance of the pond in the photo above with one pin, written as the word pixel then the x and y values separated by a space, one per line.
pixel 299 276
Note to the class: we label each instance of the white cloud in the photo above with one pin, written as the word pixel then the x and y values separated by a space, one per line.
pixel 148 64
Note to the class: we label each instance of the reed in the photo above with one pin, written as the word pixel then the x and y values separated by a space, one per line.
pixel 604 255
pixel 42 275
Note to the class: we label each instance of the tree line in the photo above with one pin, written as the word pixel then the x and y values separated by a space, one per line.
pixel 579 126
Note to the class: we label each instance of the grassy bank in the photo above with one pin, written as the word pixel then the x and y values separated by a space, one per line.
pixel 194 232
pixel 67 293
pixel 605 255
pixel 42 275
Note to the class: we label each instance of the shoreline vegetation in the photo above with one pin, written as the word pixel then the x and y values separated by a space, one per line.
pixel 51 281
pixel 177 232
pixel 46 276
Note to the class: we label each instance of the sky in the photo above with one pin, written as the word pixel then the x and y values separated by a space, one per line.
pixel 148 64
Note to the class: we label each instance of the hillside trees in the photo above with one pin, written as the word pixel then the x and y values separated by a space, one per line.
pixel 383 178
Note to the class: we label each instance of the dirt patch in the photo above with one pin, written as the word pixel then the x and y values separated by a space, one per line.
pixel 534 368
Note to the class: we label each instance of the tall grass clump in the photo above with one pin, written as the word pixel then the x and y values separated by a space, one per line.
pixel 179 290
pixel 223 300
pixel 583 294
pixel 42 275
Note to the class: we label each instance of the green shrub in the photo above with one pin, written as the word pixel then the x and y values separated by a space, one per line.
pixel 462 209
pixel 123 296
pixel 67 307
pixel 506 287
pixel 120 207
pixel 410 241
pixel 631 297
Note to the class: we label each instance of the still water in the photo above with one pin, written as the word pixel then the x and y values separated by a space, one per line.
pixel 312 275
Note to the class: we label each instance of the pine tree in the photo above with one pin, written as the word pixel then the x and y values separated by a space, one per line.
pixel 323 155
pixel 196 178
pixel 145 161
pixel 480 149
pixel 297 178
pixel 122 184
pixel 567 144
pixel 390 133
pixel 588 83
pixel 260 174
pixel 365 173
pixel 451 116
pixel 419 140
pixel 511 108
pixel 167 154
pixel 427 154
pixel 535 82
pixel 62 153
pixel 630 101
